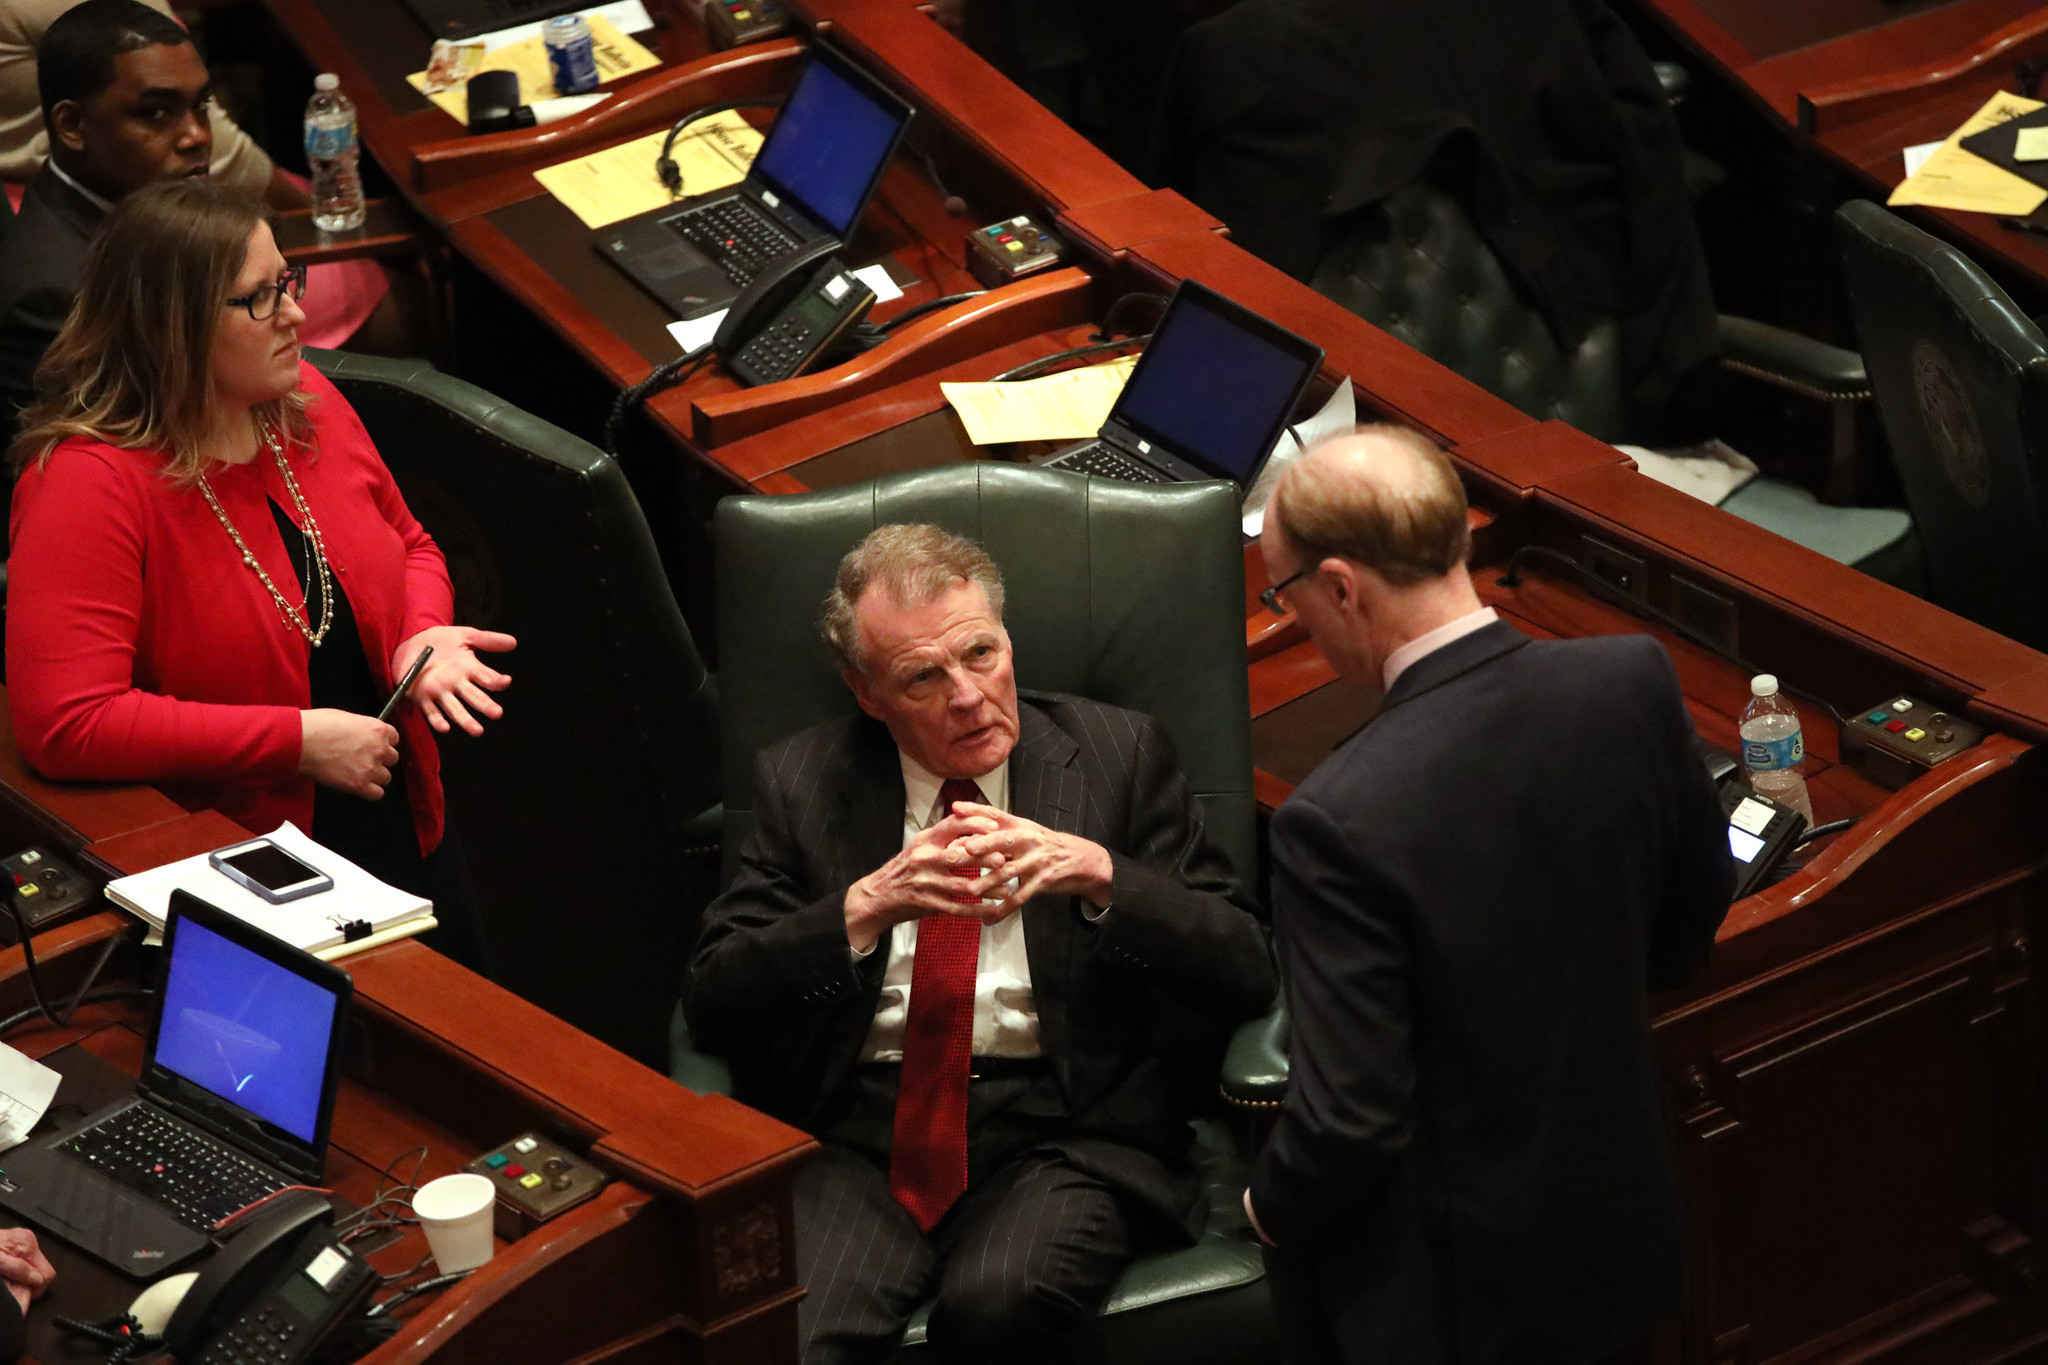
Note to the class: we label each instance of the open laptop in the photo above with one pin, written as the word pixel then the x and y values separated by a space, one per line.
pixel 236 1093
pixel 456 19
pixel 813 177
pixel 1207 399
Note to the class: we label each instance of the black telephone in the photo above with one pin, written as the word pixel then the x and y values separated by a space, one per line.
pixel 274 1292
pixel 790 315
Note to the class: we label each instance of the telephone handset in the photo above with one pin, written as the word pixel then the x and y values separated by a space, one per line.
pixel 790 314
pixel 275 1290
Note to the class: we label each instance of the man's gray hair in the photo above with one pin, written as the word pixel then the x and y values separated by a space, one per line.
pixel 914 564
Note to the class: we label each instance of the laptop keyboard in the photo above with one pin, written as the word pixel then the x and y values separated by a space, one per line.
pixel 736 235
pixel 198 1179
pixel 1107 462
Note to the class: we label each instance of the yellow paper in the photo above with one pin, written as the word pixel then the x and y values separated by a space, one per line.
pixel 617 183
pixel 2031 145
pixel 1955 179
pixel 617 55
pixel 1060 407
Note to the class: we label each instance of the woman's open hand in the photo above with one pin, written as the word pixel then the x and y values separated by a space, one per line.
pixel 455 681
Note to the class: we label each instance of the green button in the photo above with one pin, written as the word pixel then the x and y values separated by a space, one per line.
pixel 1876 718
pixel 495 1160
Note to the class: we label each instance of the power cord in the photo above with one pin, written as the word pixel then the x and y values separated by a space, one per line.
pixel 665 376
pixel 1822 831
pixel 16 1020
pixel 665 166
pixel 407 1295
pixel 1030 369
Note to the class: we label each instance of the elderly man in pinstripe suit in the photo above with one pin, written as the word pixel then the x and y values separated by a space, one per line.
pixel 977 944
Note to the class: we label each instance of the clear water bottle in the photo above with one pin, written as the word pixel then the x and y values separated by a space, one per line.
pixel 331 153
pixel 1773 746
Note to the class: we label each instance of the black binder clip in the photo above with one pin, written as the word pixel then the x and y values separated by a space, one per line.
pixel 355 929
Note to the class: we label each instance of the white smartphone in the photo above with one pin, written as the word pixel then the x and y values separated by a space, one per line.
pixel 269 871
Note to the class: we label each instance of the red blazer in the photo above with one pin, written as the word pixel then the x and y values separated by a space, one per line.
pixel 141 649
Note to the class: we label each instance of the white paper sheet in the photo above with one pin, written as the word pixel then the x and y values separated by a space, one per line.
pixel 628 16
pixel 26 1089
pixel 1337 416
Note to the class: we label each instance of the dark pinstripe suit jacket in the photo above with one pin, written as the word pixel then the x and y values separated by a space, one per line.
pixel 1127 1004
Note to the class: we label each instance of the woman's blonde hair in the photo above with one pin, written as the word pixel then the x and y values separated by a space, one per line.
pixel 131 366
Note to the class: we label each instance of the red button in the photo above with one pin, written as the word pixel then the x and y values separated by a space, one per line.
pixel 515 1170
pixel 1895 726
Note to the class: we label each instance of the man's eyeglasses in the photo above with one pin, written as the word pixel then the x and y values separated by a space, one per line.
pixel 263 303
pixel 1270 598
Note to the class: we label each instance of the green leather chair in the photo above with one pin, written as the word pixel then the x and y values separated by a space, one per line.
pixel 1961 378
pixel 1416 267
pixel 1125 594
pixel 588 813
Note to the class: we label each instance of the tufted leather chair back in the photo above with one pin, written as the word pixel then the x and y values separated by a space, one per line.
pixel 1414 266
pixel 1126 594
pixel 1961 380
pixel 572 808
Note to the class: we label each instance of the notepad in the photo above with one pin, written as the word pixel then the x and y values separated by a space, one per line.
pixel 319 923
pixel 1070 406
pixel 617 55
pixel 608 186
pixel 1953 178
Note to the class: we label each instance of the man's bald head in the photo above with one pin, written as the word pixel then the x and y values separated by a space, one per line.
pixel 1383 497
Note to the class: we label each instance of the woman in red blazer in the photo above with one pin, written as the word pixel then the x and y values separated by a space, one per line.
pixel 214 582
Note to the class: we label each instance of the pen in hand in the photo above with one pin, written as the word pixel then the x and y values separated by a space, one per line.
pixel 405 684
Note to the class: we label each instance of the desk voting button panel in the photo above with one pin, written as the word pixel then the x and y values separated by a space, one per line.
pixel 1900 738
pixel 535 1179
pixel 44 888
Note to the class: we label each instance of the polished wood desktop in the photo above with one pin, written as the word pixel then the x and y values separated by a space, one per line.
pixel 686 1255
pixel 1861 80
pixel 1857 1079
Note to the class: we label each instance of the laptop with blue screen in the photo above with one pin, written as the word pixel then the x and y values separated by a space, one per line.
pixel 1207 399
pixel 812 179
pixel 236 1094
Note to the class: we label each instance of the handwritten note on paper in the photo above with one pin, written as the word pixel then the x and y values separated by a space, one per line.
pixel 1059 407
pixel 617 183
pixel 26 1089
pixel 617 55
pixel 1956 179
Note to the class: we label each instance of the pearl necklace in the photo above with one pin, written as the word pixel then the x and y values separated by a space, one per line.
pixel 294 617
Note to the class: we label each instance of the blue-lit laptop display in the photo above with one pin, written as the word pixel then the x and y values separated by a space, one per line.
pixel 828 144
pixel 1209 388
pixel 244 1028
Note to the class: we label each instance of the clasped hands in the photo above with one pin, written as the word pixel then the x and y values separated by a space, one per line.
pixel 1018 858
pixel 24 1268
pixel 356 753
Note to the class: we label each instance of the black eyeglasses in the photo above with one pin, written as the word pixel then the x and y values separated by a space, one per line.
pixel 1270 598
pixel 262 303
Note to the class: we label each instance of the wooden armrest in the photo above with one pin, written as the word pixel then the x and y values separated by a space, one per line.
pixel 1988 63
pixel 390 228
pixel 755 71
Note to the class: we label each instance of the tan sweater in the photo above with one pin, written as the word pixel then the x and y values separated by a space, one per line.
pixel 238 162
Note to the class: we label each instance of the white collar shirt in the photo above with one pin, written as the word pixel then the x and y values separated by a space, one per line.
pixel 1005 1011
pixel 1429 642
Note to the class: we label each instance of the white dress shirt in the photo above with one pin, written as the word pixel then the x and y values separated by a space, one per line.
pixel 1429 642
pixel 1005 1011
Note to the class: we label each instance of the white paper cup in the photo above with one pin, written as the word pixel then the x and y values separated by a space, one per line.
pixel 455 1213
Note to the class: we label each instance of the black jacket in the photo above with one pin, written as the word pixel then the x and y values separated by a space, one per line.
pixel 1472 899
pixel 1544 118
pixel 1122 1001
pixel 42 268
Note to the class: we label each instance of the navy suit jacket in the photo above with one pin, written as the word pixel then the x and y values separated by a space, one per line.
pixel 1127 1004
pixel 1472 899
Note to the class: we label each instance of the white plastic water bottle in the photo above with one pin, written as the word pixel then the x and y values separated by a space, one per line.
pixel 1772 746
pixel 331 153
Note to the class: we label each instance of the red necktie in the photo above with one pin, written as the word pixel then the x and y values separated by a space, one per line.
pixel 928 1152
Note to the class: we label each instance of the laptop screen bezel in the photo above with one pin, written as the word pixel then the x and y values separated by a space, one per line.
pixel 1189 295
pixel 223 1117
pixel 824 52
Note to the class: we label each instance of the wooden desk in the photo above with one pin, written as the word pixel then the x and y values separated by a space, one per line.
pixel 688 1254
pixel 1857 1081
pixel 1863 79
